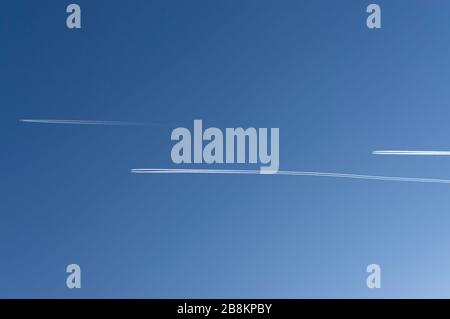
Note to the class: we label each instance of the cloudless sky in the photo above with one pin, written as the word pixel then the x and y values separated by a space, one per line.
pixel 336 90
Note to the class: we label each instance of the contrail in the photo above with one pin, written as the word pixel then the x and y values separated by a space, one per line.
pixel 82 122
pixel 290 173
pixel 413 153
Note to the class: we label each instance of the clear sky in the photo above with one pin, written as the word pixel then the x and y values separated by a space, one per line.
pixel 336 90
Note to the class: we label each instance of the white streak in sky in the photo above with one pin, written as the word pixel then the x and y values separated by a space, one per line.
pixel 82 122
pixel 290 173
pixel 413 153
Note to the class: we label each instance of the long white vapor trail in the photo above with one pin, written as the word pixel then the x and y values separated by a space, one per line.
pixel 412 153
pixel 81 122
pixel 290 173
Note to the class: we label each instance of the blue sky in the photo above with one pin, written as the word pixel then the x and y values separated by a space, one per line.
pixel 336 90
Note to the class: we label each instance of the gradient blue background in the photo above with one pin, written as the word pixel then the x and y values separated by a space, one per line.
pixel 336 90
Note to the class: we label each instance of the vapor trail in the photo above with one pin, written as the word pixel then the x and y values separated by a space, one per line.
pixel 412 153
pixel 82 122
pixel 290 173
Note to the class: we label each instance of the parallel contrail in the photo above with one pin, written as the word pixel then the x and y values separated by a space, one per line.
pixel 291 173
pixel 412 153
pixel 82 122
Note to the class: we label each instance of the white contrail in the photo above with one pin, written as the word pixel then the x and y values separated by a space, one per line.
pixel 412 153
pixel 82 122
pixel 291 173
